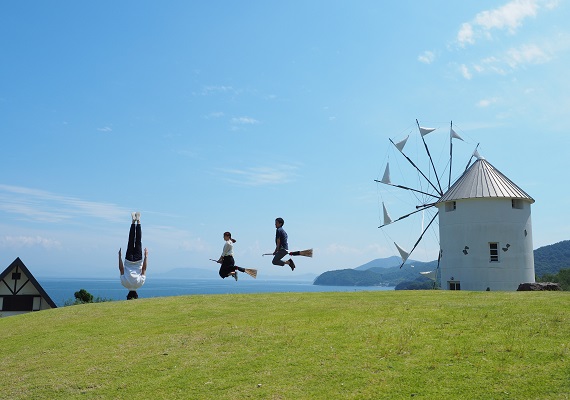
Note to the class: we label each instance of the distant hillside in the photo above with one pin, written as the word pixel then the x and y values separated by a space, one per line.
pixel 552 258
pixel 386 272
pixel 389 262
pixel 376 276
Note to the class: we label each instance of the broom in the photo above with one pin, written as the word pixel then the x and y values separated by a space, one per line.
pixel 306 253
pixel 250 271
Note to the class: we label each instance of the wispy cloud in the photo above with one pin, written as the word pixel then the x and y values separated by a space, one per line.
pixel 215 115
pixel 219 89
pixel 486 102
pixel 465 71
pixel 28 241
pixel 258 176
pixel 44 206
pixel 508 17
pixel 427 57
pixel 105 129
pixel 511 60
pixel 244 121
pixel 526 54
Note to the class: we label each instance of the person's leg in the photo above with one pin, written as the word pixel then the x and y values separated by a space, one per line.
pixel 227 266
pixel 278 256
pixel 137 251
pixel 240 269
pixel 130 255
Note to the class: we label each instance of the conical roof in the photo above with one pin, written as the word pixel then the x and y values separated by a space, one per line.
pixel 482 180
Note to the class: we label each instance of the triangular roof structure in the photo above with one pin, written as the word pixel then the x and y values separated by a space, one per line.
pixel 18 281
pixel 482 180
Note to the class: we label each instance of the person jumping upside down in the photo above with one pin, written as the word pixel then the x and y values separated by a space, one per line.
pixel 133 271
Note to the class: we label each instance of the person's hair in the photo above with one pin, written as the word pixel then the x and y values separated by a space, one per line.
pixel 230 235
pixel 132 295
pixel 280 220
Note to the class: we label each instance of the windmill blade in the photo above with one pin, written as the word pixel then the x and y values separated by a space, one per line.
pixel 409 188
pixel 475 154
pixel 419 170
pixel 387 219
pixel 420 208
pixel 403 253
pixel 400 145
pixel 421 236
pixel 424 131
pixel 452 135
pixel 430 274
pixel 429 154
pixel 386 177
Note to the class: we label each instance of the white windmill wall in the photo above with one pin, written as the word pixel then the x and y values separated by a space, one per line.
pixel 466 232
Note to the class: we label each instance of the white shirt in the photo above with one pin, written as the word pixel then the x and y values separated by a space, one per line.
pixel 132 278
pixel 228 249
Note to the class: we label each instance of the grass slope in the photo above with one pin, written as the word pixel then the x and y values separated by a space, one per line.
pixel 353 345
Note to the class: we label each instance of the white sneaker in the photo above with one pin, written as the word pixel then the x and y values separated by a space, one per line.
pixel 134 216
pixel 138 216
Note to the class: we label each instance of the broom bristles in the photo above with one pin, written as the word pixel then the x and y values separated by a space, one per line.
pixel 306 253
pixel 251 272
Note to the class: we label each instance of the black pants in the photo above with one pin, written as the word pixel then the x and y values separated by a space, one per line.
pixel 228 265
pixel 134 247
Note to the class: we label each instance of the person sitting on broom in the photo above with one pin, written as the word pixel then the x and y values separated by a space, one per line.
pixel 133 271
pixel 228 267
pixel 281 245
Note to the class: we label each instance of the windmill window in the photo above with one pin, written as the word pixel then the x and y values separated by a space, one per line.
pixel 450 206
pixel 517 203
pixel 454 285
pixel 494 252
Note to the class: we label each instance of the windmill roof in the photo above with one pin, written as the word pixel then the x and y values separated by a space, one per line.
pixel 482 180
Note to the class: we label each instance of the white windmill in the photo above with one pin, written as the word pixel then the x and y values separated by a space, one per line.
pixel 485 229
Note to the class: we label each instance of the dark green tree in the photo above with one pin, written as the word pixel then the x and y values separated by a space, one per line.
pixel 83 296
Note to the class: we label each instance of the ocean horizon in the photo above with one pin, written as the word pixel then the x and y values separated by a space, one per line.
pixel 62 290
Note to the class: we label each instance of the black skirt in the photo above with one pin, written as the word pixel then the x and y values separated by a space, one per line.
pixel 228 265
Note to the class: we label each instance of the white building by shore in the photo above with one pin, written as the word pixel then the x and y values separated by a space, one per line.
pixel 485 232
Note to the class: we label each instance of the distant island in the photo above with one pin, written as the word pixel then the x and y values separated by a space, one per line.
pixel 387 272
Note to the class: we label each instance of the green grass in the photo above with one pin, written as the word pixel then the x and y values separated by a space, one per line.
pixel 352 345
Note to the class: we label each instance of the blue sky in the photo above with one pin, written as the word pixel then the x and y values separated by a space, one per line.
pixel 215 116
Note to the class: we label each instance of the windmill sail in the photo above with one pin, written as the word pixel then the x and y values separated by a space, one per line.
pixel 430 274
pixel 454 135
pixel 400 145
pixel 403 253
pixel 387 219
pixel 425 131
pixel 386 177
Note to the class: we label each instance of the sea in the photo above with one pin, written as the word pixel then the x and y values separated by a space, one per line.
pixel 61 290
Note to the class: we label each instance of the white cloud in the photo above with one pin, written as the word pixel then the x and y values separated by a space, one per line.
pixel 105 129
pixel 258 176
pixel 512 59
pixel 40 205
pixel 209 90
pixel 486 102
pixel 465 71
pixel 427 57
pixel 28 241
pixel 214 115
pixel 244 121
pixel 465 34
pixel 526 54
pixel 508 17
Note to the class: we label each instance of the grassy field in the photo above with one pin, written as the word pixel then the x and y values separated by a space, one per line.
pixel 352 345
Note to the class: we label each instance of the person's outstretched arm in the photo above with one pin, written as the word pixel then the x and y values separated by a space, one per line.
pixel 144 261
pixel 121 268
